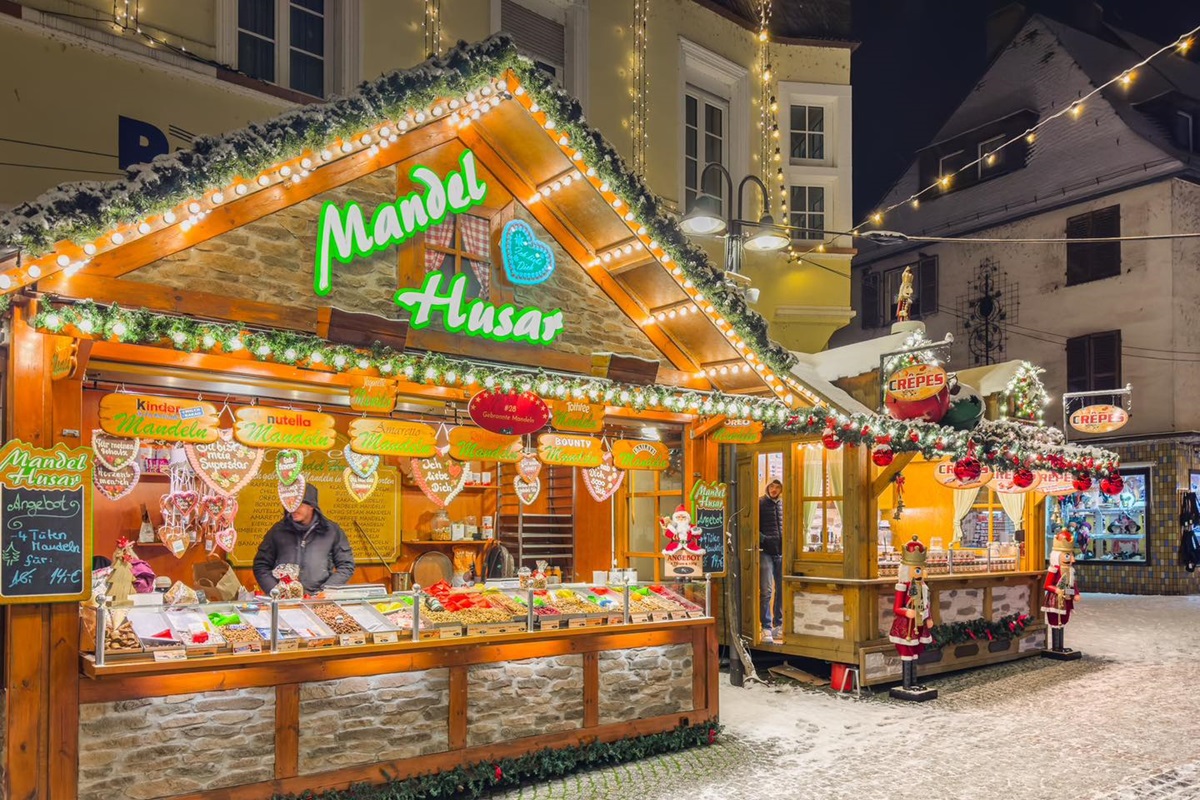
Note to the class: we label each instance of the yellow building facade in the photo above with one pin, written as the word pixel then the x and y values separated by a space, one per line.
pixel 95 86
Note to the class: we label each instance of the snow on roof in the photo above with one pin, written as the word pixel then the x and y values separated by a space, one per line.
pixel 990 379
pixel 808 374
pixel 861 357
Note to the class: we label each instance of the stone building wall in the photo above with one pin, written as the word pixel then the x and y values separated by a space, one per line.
pixel 379 718
pixel 819 614
pixel 645 682
pixel 160 746
pixel 959 605
pixel 1009 600
pixel 531 697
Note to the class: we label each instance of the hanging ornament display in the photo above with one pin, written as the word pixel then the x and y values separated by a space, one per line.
pixel 364 466
pixel 527 491
pixel 291 495
pixel 113 452
pixel 1023 478
pixel 967 469
pixel 439 477
pixel 530 466
pixel 898 482
pixel 178 504
pixel 1112 484
pixel 966 408
pixel 603 481
pixel 882 455
pixel 509 412
pixel 1082 483
pixel 360 487
pixel 116 483
pixel 225 465
pixel 288 464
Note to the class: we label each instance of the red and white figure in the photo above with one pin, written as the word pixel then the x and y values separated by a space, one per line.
pixel 912 628
pixel 1061 592
pixel 680 532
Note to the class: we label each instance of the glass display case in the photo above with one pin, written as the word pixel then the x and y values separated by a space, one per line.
pixel 166 632
pixel 1106 528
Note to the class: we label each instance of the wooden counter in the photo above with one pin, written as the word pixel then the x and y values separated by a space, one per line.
pixel 328 718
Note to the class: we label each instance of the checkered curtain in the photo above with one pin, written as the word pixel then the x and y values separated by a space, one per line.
pixel 475 231
pixel 439 236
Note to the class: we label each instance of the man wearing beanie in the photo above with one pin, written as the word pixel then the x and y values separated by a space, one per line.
pixel 307 538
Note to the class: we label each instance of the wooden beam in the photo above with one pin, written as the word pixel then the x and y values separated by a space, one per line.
pixel 630 266
pixel 899 462
pixel 287 730
pixel 458 707
pixel 591 690
pixel 703 428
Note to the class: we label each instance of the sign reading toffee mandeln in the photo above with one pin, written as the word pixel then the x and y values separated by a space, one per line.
pixel 577 416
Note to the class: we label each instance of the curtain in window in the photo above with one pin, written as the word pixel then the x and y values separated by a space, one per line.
pixel 963 500
pixel 813 481
pixel 438 236
pixel 475 231
pixel 1014 507
pixel 835 484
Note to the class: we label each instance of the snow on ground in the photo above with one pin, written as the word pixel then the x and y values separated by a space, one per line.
pixel 1120 723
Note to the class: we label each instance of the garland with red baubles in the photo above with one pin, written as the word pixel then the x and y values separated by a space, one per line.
pixel 999 445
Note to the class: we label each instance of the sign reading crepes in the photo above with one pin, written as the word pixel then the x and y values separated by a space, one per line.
pixel 1054 484
pixel 261 426
pixel 916 382
pixel 570 451
pixel 738 431
pixel 640 455
pixel 171 419
pixel 1099 419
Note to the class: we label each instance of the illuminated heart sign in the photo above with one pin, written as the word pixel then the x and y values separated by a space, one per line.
pixel 527 261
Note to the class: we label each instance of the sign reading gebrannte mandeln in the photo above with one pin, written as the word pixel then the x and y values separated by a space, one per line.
pixel 345 233
pixel 172 419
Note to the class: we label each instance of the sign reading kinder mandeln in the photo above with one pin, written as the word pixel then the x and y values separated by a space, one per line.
pixel 171 419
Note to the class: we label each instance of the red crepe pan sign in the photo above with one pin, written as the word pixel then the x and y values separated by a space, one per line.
pixel 943 473
pixel 917 382
pixel 1099 419
pixel 509 413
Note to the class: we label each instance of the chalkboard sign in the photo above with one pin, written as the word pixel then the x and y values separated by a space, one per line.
pixel 709 500
pixel 45 524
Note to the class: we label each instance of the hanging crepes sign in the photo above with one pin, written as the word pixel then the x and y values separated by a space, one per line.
pixel 344 233
pixel 1099 419
pixel 918 382
pixel 1054 484
pixel 943 473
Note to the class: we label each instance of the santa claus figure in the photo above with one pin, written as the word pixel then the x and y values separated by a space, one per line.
pixel 680 532
pixel 1061 594
pixel 911 629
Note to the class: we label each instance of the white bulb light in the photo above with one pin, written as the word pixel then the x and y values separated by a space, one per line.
pixel 34 271
pixel 194 207
pixel 143 228
pixel 117 238
pixel 63 260
pixel 218 198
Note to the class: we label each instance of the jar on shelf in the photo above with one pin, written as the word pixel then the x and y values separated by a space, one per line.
pixel 441 526
pixel 523 577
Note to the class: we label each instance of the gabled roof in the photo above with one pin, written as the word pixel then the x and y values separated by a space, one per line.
pixel 533 128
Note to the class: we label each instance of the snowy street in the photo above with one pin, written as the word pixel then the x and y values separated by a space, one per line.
pixel 1119 723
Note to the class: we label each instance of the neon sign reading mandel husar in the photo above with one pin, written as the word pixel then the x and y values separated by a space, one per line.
pixel 343 234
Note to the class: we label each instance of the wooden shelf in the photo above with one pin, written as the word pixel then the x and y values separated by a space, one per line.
pixel 437 542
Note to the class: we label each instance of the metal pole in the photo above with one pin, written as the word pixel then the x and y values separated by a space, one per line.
pixel 274 624
pixel 529 610
pixel 627 604
pixel 416 634
pixel 708 594
pixel 101 625
pixel 733 572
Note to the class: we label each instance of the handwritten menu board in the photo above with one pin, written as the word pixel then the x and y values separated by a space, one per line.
pixel 45 523
pixel 708 512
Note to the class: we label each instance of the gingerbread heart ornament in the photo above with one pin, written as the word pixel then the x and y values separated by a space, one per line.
pixel 360 488
pixel 529 466
pixel 113 452
pixel 184 503
pixel 603 481
pixel 226 539
pixel 225 465
pixel 116 483
pixel 292 494
pixel 288 464
pixel 364 466
pixel 440 478
pixel 527 491
pixel 175 537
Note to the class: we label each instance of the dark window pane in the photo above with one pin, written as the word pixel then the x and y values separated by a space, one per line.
pixel 690 114
pixel 308 32
pixel 713 120
pixel 689 142
pixel 308 74
pixel 816 198
pixel 799 122
pixel 257 16
pixel 312 5
pixel 712 149
pixel 816 145
pixel 1077 368
pixel 1090 261
pixel 798 200
pixel 816 118
pixel 256 57
pixel 799 145
pixel 712 183
pixel 690 168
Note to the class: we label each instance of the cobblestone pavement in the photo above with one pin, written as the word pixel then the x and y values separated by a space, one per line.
pixel 1119 724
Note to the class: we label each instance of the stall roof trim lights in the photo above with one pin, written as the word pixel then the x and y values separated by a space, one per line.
pixel 65 228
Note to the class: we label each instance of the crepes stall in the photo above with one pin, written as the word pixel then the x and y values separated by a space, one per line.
pixel 439 316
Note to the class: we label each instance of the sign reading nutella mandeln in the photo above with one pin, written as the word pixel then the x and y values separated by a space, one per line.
pixel 1099 419
pixel 570 451
pixel 262 426
pixel 171 419
pixel 640 455
pixel 916 382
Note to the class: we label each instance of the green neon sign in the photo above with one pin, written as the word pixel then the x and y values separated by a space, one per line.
pixel 477 317
pixel 343 234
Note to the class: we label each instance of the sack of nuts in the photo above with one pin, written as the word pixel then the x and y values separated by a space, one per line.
pixel 289 586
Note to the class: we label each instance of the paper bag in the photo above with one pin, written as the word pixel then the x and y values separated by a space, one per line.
pixel 216 579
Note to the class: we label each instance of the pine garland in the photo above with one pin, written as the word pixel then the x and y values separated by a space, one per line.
pixel 485 777
pixel 980 630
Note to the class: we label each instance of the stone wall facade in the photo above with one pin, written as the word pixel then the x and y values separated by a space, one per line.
pixel 531 697
pixel 1009 600
pixel 160 746
pixel 959 605
pixel 818 614
pixel 371 719
pixel 645 682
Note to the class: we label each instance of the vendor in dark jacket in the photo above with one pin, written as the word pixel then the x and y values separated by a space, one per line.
pixel 306 537
pixel 770 573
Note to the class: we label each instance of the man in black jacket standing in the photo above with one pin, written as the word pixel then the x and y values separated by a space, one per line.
pixel 307 538
pixel 770 573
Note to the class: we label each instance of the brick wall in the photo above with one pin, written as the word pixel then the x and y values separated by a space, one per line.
pixel 818 614
pixel 645 682
pixel 160 746
pixel 531 697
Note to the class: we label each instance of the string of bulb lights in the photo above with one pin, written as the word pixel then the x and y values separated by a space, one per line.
pixel 1074 110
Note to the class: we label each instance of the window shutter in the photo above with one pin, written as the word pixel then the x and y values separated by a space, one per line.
pixel 1077 364
pixel 870 300
pixel 1107 222
pixel 1079 255
pixel 534 34
pixel 927 287
pixel 1106 360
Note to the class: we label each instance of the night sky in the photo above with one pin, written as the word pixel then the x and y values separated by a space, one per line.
pixel 919 58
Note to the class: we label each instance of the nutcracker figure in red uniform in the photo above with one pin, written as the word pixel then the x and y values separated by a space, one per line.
pixel 1061 593
pixel 911 629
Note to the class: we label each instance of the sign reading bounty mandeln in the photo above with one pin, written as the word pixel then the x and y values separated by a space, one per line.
pixel 570 451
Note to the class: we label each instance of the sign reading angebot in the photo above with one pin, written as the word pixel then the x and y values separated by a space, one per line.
pixel 1099 419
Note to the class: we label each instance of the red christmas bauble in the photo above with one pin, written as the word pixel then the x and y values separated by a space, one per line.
pixel 967 469
pixel 883 439
pixel 1113 484
pixel 882 455
pixel 930 409
pixel 1023 478
pixel 830 440
pixel 1082 483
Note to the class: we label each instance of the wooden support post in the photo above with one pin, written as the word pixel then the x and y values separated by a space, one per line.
pixel 882 480
pixel 591 690
pixel 458 707
pixel 287 730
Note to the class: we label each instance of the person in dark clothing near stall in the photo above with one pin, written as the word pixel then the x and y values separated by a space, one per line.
pixel 308 538
pixel 770 561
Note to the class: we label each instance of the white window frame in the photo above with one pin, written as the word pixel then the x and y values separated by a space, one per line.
pixel 343 42
pixel 705 98
pixel 824 134
pixel 725 80
pixel 834 171
pixel 573 16
pixel 982 150
pixel 943 172
pixel 815 184
pixel 1191 123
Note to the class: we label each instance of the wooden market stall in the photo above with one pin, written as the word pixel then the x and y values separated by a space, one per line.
pixel 363 285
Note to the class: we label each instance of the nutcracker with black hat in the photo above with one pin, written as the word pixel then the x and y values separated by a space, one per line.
pixel 911 630
pixel 1061 595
